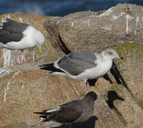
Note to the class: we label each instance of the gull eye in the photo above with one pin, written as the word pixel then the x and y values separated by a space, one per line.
pixel 110 53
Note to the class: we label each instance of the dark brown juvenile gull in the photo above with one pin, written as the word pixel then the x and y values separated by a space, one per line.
pixel 19 36
pixel 82 65
pixel 75 112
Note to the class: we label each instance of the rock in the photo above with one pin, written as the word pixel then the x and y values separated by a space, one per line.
pixel 24 92
pixel 21 125
pixel 96 31
pixel 130 70
pixel 106 117
pixel 128 109
pixel 25 88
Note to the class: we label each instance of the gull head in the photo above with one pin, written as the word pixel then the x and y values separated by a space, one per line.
pixel 111 54
pixel 39 40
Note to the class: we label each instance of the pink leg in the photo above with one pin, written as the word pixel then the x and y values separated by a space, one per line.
pixel 16 57
pixel 23 56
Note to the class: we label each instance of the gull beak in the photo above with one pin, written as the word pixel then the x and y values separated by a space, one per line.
pixel 39 50
pixel 120 57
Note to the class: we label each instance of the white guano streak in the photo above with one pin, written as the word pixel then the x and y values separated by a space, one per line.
pixel 116 17
pixel 20 19
pixel 128 18
pixel 15 74
pixel 6 57
pixel 137 20
pixel 72 24
pixel 33 54
pixel 6 62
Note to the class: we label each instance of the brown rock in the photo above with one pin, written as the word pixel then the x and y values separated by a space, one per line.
pixel 21 125
pixel 24 92
pixel 131 68
pixel 25 89
pixel 106 117
pixel 102 86
pixel 96 31
pixel 128 109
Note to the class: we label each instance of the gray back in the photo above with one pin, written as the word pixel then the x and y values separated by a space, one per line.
pixel 77 62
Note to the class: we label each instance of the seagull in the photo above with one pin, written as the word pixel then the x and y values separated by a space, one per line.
pixel 83 65
pixel 19 36
pixel 75 112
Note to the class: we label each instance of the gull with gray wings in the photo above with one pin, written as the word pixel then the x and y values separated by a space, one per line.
pixel 82 65
pixel 19 36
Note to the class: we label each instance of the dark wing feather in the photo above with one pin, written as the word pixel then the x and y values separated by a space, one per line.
pixel 67 117
pixel 66 104
pixel 43 113
pixel 12 31
pixel 68 112
pixel 62 116
pixel 50 67
pixel 48 116
pixel 14 26
pixel 6 37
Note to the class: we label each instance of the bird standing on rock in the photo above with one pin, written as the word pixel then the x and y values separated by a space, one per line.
pixel 19 36
pixel 75 112
pixel 82 65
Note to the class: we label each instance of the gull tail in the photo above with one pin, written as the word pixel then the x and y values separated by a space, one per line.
pixel 50 67
pixel 47 114
pixel 43 113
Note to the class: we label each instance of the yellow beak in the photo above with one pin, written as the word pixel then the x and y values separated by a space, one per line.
pixel 118 57
pixel 39 50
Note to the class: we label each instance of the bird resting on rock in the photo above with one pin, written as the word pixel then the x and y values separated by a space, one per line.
pixel 83 65
pixel 19 36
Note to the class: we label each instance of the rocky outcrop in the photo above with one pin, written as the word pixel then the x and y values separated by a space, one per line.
pixel 83 30
pixel 25 89
pixel 131 69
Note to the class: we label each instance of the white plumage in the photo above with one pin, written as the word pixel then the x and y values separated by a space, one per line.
pixel 82 65
pixel 20 36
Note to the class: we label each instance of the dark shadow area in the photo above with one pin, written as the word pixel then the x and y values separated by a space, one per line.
pixel 107 78
pixel 92 82
pixel 118 77
pixel 112 95
pixel 88 124
pixel 116 73
pixel 63 46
